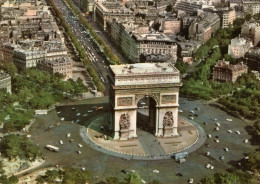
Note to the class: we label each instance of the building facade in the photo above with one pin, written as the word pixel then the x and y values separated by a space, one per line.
pixel 239 46
pixel 59 65
pixel 252 59
pixel 223 71
pixel 252 31
pixel 5 82
pixel 227 17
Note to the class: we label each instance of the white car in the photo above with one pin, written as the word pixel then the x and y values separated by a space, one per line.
pixel 216 140
pixel 222 158
pixel 78 114
pixel 28 136
pixel 237 132
pixel 90 110
pixel 228 119
pixel 192 118
pixel 208 166
pixel 61 142
pixel 180 110
pixel 191 180
pixel 83 169
pixel 68 134
pixel 217 128
pixel 191 111
pixel 79 152
pixel 218 124
pixel 208 153
pixel 155 171
pixel 62 119
pixel 212 167
pixel 246 141
pixel 226 149
pixel 209 136
pixel 80 145
pixel 229 131
pixel 215 119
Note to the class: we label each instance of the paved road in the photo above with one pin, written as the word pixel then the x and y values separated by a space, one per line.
pixel 149 143
pixel 96 56
pixel 105 165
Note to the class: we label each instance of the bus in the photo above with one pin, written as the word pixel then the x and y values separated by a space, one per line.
pixel 52 148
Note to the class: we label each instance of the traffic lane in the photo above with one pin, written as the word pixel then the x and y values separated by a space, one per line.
pixel 100 68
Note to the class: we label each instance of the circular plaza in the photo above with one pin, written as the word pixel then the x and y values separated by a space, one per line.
pixel 145 146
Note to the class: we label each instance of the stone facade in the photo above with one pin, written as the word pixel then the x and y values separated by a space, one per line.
pixel 227 17
pixel 252 59
pixel 130 83
pixel 135 39
pixel 239 46
pixel 61 65
pixel 5 82
pixel 252 31
pixel 225 72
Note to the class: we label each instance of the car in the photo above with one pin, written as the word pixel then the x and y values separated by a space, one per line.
pixel 208 145
pixel 216 140
pixel 208 153
pixel 191 117
pixel 191 111
pixel 77 121
pixel 85 115
pixel 197 108
pixel 209 136
pixel 61 142
pixel 179 174
pixel 80 145
pixel 73 108
pixel 229 131
pixel 58 112
pixel 62 119
pixel 155 171
pixel 28 136
pixel 226 149
pixel 68 134
pixel 208 166
pixel 222 158
pixel 246 141
pixel 79 152
pixel 215 119
pixel 191 180
pixel 217 124
pixel 78 114
pixel 196 115
pixel 71 140
pixel 217 128
pixel 237 132
pixel 180 110
pixel 212 167
pixel 90 110
pixel 229 119
pixel 83 169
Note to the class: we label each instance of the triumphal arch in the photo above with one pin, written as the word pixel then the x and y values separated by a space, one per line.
pixel 157 82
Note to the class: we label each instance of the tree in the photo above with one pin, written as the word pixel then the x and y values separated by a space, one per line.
pixel 132 178
pixel 74 176
pixel 112 180
pixel 14 145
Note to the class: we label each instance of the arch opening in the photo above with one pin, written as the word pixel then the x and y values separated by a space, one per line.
pixel 146 115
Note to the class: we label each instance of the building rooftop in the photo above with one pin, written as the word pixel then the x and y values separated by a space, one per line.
pixel 144 69
pixel 227 65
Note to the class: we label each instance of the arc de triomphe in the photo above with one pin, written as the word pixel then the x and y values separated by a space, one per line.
pixel 131 82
